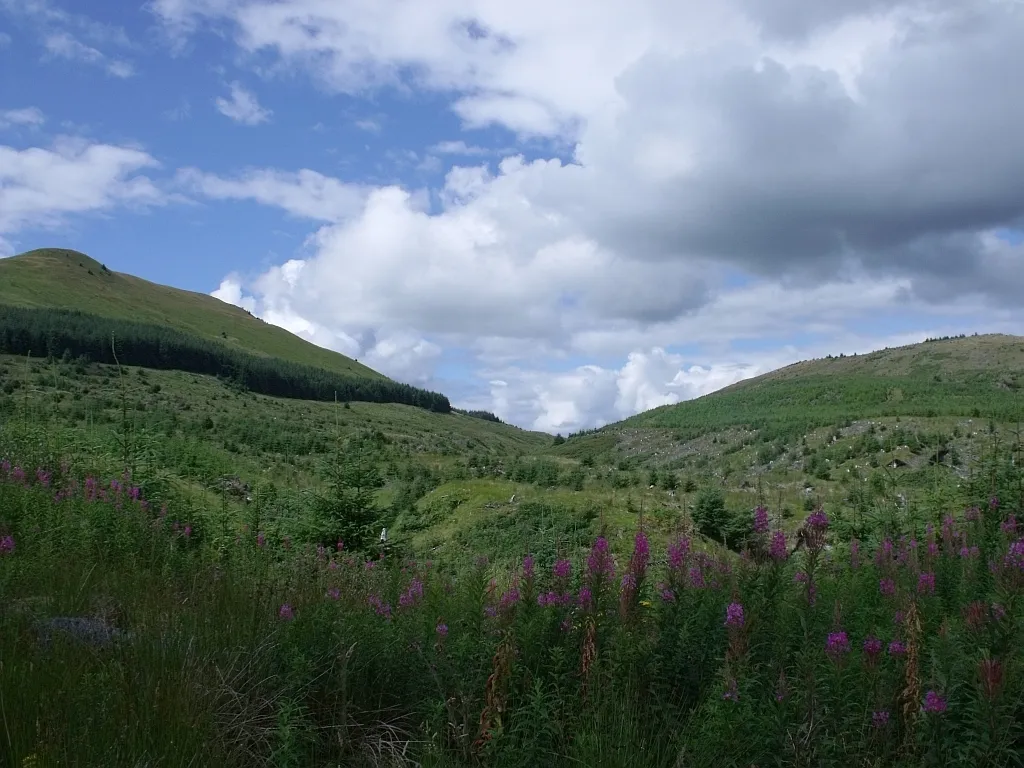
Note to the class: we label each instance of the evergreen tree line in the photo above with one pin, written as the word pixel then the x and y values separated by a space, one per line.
pixel 485 415
pixel 62 333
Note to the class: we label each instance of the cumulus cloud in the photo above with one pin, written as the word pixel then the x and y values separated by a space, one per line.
pixel 39 186
pixel 740 169
pixel 242 106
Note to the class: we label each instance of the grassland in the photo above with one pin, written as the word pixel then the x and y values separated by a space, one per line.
pixel 66 279
pixel 202 562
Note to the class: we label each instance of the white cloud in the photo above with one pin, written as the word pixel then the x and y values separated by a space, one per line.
pixel 66 46
pixel 39 187
pixel 242 106
pixel 306 194
pixel 463 149
pixel 740 170
pixel 230 291
pixel 368 125
pixel 30 116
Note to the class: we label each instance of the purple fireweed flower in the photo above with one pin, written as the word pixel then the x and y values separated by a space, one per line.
pixel 442 630
pixel 838 643
pixel 286 612
pixel 887 586
pixel 760 520
pixel 667 595
pixel 896 648
pixel 641 555
pixel 412 594
pixel 562 569
pixel 696 577
pixel 334 593
pixel 973 514
pixel 926 583
pixel 585 598
pixel 43 477
pixel 817 520
pixel 7 545
pixel 261 539
pixel 734 615
pixel 816 525
pixel 934 703
pixel 379 606
pixel 528 567
pixel 628 582
pixel 1014 559
pixel 993 503
pixel 1009 525
pixel 187 532
pixel 678 554
pixel 600 564
pixel 872 647
pixel 880 718
pixel 778 550
pixel 509 599
pixel 854 554
pixel 18 475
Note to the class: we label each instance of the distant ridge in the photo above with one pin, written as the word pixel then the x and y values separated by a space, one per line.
pixel 979 376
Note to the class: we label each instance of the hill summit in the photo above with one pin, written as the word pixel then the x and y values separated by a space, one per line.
pixel 58 278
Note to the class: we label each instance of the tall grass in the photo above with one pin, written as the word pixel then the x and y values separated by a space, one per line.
pixel 244 650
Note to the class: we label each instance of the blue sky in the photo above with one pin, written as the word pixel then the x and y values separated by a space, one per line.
pixel 562 214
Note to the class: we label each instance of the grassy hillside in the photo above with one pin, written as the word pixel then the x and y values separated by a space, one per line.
pixel 215 598
pixel 965 376
pixel 65 279
pixel 538 601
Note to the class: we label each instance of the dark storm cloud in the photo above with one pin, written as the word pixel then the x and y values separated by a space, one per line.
pixel 791 172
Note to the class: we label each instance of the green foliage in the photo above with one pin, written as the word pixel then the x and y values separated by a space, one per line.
pixel 709 513
pixel 243 649
pixel 348 511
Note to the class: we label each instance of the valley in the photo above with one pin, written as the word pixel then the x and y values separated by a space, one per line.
pixel 175 468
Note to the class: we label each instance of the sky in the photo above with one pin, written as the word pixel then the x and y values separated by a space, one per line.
pixel 564 213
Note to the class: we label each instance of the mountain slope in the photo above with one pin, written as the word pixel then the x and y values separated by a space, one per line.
pixel 66 279
pixel 963 376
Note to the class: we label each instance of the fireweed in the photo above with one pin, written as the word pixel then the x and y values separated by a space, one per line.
pixel 685 658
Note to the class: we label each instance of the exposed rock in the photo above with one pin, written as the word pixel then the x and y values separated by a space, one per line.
pixel 90 631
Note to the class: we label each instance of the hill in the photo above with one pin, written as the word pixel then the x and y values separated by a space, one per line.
pixel 846 432
pixel 56 278
pixel 961 376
